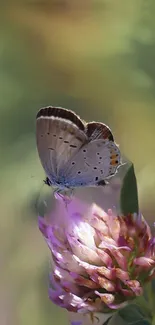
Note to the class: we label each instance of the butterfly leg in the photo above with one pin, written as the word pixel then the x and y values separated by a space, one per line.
pixel 62 195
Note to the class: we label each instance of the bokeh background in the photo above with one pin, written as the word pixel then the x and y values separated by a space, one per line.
pixel 96 57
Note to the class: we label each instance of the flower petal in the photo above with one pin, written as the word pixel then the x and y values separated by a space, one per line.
pixel 85 253
pixel 144 261
pixel 107 298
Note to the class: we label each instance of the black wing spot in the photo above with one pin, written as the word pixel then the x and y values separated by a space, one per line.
pixel 73 163
pixel 54 135
pixel 48 133
pixel 79 172
pixel 65 141
pixel 100 157
pixel 95 167
pixel 96 179
pixel 72 146
pixel 101 171
pixel 50 148
pixel 84 150
pixel 98 153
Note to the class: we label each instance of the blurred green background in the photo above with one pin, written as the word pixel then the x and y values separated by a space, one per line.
pixel 97 58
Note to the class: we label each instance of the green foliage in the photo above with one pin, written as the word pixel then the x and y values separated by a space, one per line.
pixel 133 315
pixel 129 193
pixel 107 321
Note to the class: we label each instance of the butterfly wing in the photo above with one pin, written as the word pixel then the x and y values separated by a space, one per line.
pixel 98 130
pixel 60 134
pixel 95 162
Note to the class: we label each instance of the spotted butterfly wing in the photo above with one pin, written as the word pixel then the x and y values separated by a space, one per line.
pixel 60 134
pixel 95 161
pixel 72 152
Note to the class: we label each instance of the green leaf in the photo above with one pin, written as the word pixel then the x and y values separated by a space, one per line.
pixel 153 321
pixel 150 293
pixel 107 321
pixel 129 193
pixel 133 315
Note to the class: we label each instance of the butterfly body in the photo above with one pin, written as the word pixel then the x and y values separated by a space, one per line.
pixel 75 153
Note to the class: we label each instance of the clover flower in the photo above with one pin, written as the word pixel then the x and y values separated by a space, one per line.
pixel 100 260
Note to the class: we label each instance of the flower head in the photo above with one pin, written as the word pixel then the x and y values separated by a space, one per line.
pixel 100 260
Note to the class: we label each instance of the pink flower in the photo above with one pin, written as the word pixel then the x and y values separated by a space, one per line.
pixel 100 260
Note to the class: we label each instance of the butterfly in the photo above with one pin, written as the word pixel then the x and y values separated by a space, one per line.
pixel 74 153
